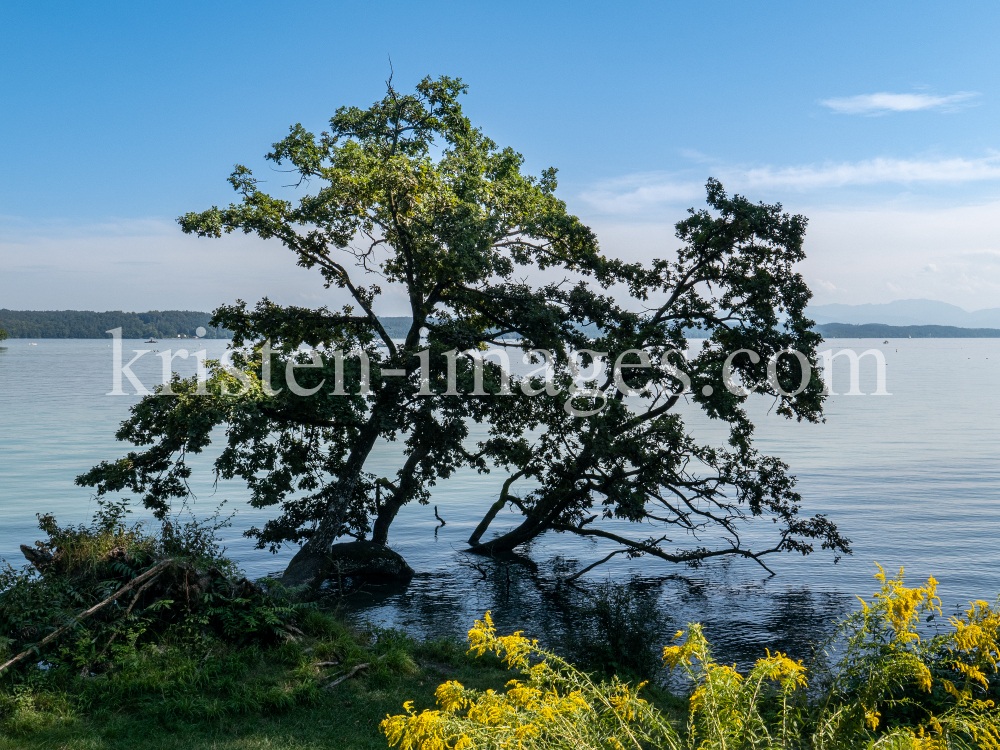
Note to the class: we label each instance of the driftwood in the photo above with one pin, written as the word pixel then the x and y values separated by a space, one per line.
pixel 347 676
pixel 155 570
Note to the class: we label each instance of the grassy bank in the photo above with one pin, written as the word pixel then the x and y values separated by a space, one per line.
pixel 195 656
pixel 192 654
pixel 190 696
pixel 183 696
pixel 115 637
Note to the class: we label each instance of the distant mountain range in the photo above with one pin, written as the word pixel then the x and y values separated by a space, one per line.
pixel 906 312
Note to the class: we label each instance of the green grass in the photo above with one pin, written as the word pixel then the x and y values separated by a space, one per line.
pixel 346 717
pixel 212 696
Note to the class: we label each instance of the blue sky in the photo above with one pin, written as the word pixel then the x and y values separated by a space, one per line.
pixel 876 120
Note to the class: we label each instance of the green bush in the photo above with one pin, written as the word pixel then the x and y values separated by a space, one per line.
pixel 196 594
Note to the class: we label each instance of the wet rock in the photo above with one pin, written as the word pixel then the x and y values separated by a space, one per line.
pixel 356 560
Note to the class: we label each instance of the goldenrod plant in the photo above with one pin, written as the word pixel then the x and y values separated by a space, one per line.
pixel 553 705
pixel 891 688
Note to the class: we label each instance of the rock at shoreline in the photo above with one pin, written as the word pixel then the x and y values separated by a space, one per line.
pixel 357 560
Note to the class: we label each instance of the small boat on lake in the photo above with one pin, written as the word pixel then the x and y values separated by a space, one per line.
pixel 151 341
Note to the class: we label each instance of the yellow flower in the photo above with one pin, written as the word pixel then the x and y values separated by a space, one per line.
pixel 872 717
pixel 451 696
pixel 902 606
pixel 778 667
pixel 923 677
pixel 483 635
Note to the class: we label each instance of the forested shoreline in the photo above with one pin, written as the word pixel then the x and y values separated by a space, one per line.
pixel 83 324
pixel 882 330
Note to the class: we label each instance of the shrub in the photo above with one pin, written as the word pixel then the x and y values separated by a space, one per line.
pixel 890 688
pixel 190 592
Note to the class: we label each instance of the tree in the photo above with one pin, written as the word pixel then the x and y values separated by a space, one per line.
pixel 3 335
pixel 412 195
pixel 633 459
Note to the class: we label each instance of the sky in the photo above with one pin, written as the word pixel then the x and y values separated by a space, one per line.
pixel 875 120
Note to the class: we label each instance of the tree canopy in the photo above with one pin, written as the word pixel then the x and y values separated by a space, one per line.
pixel 410 195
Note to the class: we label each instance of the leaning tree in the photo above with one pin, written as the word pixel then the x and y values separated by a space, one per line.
pixel 412 196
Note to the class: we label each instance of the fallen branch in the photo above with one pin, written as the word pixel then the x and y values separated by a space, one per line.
pixel 84 615
pixel 135 599
pixel 347 676
pixel 326 663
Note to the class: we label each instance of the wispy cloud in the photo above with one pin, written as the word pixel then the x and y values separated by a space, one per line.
pixel 882 103
pixel 872 171
pixel 637 193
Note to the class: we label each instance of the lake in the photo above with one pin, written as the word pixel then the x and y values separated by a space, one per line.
pixel 911 478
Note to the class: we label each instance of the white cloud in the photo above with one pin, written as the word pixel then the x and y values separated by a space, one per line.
pixel 637 192
pixel 642 192
pixel 879 104
pixel 853 255
pixel 883 253
pixel 871 172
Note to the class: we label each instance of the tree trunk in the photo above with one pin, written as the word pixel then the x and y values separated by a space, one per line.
pixel 309 565
pixel 494 509
pixel 538 521
pixel 528 530
pixel 386 514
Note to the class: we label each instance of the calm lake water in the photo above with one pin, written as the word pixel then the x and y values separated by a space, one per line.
pixel 911 478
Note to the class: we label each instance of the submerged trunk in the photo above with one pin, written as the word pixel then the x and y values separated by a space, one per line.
pixel 314 562
pixel 528 530
pixel 498 506
pixel 537 521
pixel 311 564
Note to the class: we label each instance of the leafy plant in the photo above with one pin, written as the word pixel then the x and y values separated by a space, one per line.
pixel 886 665
pixel 83 586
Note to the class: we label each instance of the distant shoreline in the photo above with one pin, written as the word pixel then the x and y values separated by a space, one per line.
pixel 883 331
pixel 83 324
pixel 171 324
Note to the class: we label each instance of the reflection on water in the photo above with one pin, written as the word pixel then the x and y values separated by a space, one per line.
pixel 738 617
